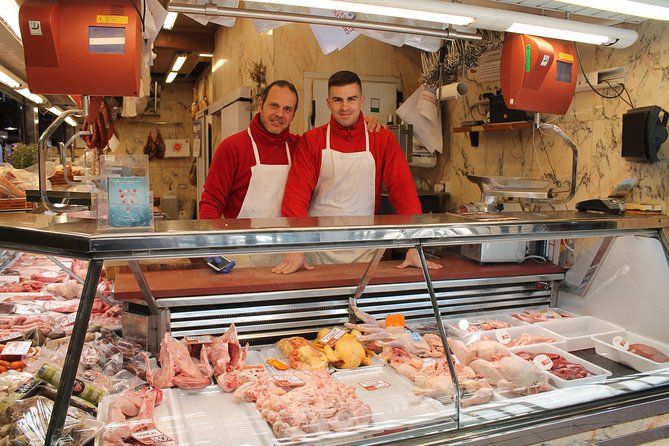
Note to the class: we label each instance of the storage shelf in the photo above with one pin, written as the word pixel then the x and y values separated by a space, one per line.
pixel 493 127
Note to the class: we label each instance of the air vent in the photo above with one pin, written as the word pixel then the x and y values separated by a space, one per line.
pixel 117 9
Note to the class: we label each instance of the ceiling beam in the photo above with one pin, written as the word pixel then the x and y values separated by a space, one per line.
pixel 186 41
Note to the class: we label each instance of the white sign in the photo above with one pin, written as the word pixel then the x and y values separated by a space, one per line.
pixel 35 27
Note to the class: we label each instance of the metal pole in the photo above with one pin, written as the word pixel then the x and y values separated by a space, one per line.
pixel 74 350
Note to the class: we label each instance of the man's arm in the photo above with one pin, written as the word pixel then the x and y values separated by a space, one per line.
pixel 396 175
pixel 302 178
pixel 218 183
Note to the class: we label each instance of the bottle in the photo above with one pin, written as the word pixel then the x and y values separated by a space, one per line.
pixel 83 389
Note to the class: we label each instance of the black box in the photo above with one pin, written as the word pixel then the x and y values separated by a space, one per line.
pixel 500 113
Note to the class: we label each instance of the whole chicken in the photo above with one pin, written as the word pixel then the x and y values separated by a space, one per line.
pixel 488 350
pixel 303 355
pixel 347 353
pixel 512 374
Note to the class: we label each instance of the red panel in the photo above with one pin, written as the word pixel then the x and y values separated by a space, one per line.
pixel 538 74
pixel 61 61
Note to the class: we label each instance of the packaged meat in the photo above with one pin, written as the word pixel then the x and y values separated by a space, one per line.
pixel 598 374
pixel 578 332
pixel 534 316
pixel 604 346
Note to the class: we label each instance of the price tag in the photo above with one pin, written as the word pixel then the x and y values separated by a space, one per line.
pixel 620 342
pixel 543 361
pixel 255 370
pixel 373 384
pixel 332 337
pixel 11 335
pixel 151 436
pixel 17 348
pixel 463 324
pixel 69 320
pixel 288 380
pixel 503 336
pixel 198 339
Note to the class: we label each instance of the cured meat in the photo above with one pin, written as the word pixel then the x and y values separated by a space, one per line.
pixel 150 146
pixel 648 352
pixel 160 145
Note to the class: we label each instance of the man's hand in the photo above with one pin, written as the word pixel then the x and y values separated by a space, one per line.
pixel 292 261
pixel 412 259
pixel 373 124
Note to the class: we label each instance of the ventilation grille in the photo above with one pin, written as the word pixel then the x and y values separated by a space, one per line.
pixel 117 9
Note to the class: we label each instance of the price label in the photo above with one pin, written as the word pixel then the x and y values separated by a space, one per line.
pixel 11 335
pixel 288 381
pixel 255 370
pixel 374 384
pixel 198 339
pixel 463 324
pixel 17 348
pixel 503 336
pixel 151 436
pixel 543 361
pixel 620 342
pixel 69 320
pixel 332 337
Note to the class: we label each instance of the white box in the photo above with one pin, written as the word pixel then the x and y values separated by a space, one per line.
pixel 599 374
pixel 578 332
pixel 454 330
pixel 515 333
pixel 605 348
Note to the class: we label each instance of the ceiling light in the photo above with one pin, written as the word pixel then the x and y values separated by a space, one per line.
pixel 541 31
pixel 170 77
pixel 8 80
pixel 379 8
pixel 31 96
pixel 9 12
pixel 10 129
pixel 206 55
pixel 650 10
pixel 178 62
pixel 170 19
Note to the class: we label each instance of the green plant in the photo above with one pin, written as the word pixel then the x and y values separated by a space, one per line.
pixel 23 155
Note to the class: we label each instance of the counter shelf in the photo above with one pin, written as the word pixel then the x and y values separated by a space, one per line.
pixel 81 239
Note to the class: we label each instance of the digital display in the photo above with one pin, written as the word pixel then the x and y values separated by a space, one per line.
pixel 563 71
pixel 106 40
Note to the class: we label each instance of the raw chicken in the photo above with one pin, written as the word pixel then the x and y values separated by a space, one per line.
pixel 487 350
pixel 525 339
pixel 648 352
pixel 132 403
pixel 228 358
pixel 303 355
pixel 405 363
pixel 512 374
pixel 178 368
pixel 534 316
pixel 434 380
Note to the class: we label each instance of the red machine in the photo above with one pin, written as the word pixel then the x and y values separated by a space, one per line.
pixel 87 47
pixel 538 74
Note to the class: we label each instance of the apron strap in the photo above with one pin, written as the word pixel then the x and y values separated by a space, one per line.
pixel 253 144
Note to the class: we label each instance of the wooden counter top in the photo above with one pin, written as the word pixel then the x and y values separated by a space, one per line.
pixel 203 281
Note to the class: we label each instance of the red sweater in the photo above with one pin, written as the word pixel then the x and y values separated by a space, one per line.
pixel 391 167
pixel 230 171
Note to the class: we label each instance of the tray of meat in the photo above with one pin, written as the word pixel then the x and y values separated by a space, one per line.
pixel 534 316
pixel 391 397
pixel 517 337
pixel 466 325
pixel 564 369
pixel 578 332
pixel 642 354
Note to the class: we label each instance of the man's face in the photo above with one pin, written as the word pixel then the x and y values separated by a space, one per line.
pixel 345 103
pixel 278 109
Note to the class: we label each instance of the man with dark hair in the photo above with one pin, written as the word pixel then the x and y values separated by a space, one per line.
pixel 339 168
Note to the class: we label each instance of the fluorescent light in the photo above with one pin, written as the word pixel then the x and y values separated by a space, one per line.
pixel 554 33
pixel 36 121
pixel 71 121
pixel 170 19
pixel 633 8
pixel 8 80
pixel 55 110
pixel 9 12
pixel 32 96
pixel 178 62
pixel 376 9
pixel 170 77
pixel 206 55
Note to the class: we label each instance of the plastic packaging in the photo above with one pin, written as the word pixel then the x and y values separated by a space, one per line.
pixel 605 347
pixel 84 389
pixel 578 332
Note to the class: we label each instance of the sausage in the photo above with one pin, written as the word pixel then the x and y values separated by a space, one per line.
pixel 103 132
pixel 107 119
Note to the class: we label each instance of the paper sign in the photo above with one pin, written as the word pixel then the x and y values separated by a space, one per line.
pixel 288 380
pixel 374 384
pixel 255 370
pixel 17 348
pixel 198 339
pixel 177 148
pixel 503 336
pixel 620 342
pixel 463 324
pixel 151 436
pixel 11 335
pixel 543 362
pixel 69 320
pixel 332 337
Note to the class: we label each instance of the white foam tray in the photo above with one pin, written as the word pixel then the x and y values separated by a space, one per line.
pixel 454 330
pixel 395 405
pixel 516 332
pixel 604 347
pixel 578 332
pixel 599 374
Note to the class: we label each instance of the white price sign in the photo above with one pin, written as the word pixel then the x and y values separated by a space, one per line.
pixel 332 337
pixel 503 336
pixel 198 339
pixel 151 436
pixel 288 380
pixel 18 348
pixel 620 342
pixel 543 361
pixel 374 384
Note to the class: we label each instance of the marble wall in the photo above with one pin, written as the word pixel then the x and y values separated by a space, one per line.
pixel 167 176
pixel 593 123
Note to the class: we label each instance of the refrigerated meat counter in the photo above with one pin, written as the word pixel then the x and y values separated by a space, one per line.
pixel 627 258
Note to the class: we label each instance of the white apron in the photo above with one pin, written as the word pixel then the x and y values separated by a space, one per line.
pixel 346 187
pixel 263 200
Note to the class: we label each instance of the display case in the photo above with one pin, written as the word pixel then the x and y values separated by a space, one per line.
pixel 620 259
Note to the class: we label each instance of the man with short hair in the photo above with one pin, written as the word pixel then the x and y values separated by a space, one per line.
pixel 339 168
